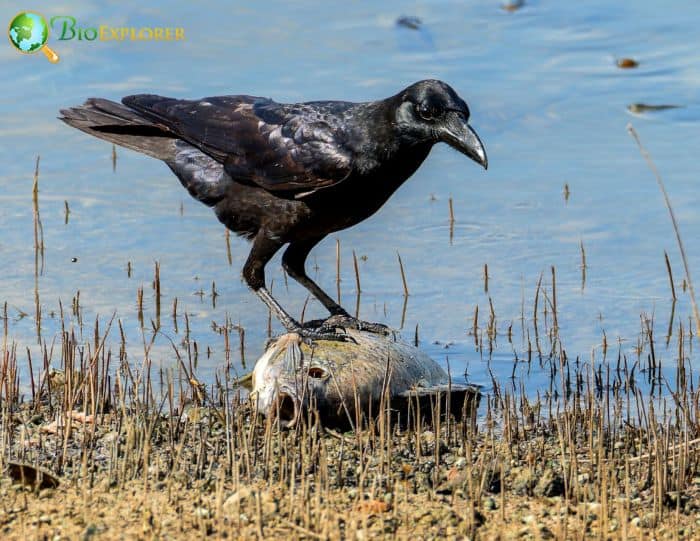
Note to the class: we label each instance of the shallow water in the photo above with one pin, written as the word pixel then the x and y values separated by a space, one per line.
pixel 546 98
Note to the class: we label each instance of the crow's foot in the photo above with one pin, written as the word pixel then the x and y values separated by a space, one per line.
pixel 345 321
pixel 309 334
pixel 313 324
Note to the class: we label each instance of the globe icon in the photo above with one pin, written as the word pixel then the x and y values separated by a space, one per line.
pixel 29 32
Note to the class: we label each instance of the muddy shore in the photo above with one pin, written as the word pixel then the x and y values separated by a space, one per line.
pixel 220 472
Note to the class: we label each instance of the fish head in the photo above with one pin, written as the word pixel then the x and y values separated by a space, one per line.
pixel 287 380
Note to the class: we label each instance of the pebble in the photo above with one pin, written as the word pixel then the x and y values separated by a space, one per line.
pixel 523 481
pixel 201 512
pixel 428 466
pixel 647 520
pixel 490 504
pixel 109 437
pixel 239 496
pixel 593 508
pixel 549 484
pixel 89 532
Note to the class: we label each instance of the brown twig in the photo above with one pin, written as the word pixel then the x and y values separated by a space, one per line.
pixel 403 276
pixel 645 154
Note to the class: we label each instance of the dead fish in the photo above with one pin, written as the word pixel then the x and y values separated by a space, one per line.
pixel 341 379
pixel 645 108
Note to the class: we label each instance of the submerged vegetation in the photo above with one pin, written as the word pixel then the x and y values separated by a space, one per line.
pixel 130 450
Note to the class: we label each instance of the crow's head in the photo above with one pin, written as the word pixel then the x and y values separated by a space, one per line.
pixel 431 111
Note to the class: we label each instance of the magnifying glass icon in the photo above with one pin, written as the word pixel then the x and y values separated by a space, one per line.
pixel 28 32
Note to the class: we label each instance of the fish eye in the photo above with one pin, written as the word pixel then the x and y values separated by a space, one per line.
pixel 428 112
pixel 316 372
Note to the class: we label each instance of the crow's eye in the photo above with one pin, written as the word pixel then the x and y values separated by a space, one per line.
pixel 428 112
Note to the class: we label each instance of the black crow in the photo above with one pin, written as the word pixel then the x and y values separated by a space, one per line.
pixel 291 174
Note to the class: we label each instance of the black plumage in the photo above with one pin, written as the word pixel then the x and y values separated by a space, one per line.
pixel 287 173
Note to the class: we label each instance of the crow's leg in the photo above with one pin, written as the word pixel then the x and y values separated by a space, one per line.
pixel 293 262
pixel 254 274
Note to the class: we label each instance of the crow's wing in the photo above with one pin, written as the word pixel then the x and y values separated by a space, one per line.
pixel 286 149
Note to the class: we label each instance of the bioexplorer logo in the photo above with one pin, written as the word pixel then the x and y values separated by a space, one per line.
pixel 28 33
pixel 67 28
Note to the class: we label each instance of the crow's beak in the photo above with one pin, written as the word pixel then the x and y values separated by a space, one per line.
pixel 459 135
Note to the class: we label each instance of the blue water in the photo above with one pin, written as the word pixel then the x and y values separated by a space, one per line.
pixel 546 98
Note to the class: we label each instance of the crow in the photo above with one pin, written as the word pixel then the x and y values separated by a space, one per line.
pixel 288 174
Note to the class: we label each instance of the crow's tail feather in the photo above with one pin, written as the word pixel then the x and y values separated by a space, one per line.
pixel 118 124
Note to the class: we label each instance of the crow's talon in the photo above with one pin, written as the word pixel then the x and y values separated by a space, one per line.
pixel 309 335
pixel 348 322
pixel 313 324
